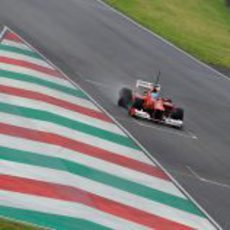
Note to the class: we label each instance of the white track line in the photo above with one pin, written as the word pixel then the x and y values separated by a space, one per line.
pixel 129 134
pixel 188 133
pixel 207 180
pixel 194 59
pixel 152 126
pixel 193 173
pixel 15 44
pixel 2 33
pixel 162 39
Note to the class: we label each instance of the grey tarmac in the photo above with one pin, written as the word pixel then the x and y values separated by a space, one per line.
pixel 97 47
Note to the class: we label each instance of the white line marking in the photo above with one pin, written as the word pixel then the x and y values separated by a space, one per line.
pixel 15 44
pixel 75 156
pixel 152 126
pixel 194 173
pixel 145 151
pixel 147 154
pixel 192 134
pixel 207 180
pixel 3 32
pixel 188 133
pixel 163 39
pixel 24 57
pixel 103 190
pixel 70 209
pixel 216 183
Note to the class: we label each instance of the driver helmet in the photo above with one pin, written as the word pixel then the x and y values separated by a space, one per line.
pixel 156 88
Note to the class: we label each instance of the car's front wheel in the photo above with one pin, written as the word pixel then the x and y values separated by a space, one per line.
pixel 178 114
pixel 138 103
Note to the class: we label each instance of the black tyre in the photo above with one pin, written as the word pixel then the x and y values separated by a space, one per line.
pixel 138 103
pixel 178 114
pixel 158 114
pixel 125 97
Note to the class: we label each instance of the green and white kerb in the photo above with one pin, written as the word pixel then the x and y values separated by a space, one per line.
pixel 64 164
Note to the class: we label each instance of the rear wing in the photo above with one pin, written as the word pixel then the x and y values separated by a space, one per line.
pixel 144 84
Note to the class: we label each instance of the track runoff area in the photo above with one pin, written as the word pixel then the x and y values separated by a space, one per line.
pixel 64 164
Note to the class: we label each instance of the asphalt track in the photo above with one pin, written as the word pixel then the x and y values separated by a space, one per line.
pixel 102 51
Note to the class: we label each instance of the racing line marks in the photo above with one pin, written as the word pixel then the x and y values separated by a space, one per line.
pixel 216 183
pixel 185 133
pixel 206 180
pixel 73 156
pixel 194 173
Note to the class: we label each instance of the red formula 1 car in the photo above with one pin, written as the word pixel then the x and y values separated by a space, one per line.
pixel 145 102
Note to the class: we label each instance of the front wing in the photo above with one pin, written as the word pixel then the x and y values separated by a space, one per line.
pixel 167 121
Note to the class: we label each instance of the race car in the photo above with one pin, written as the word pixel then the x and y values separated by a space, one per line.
pixel 145 102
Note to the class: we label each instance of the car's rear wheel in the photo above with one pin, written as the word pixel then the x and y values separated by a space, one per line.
pixel 125 97
pixel 178 114
pixel 137 104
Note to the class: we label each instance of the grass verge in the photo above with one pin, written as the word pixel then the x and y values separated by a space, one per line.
pixel 11 225
pixel 200 27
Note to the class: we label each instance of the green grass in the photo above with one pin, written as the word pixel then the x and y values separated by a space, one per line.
pixel 200 27
pixel 10 225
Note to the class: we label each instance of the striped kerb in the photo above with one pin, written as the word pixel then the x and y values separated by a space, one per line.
pixel 66 165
